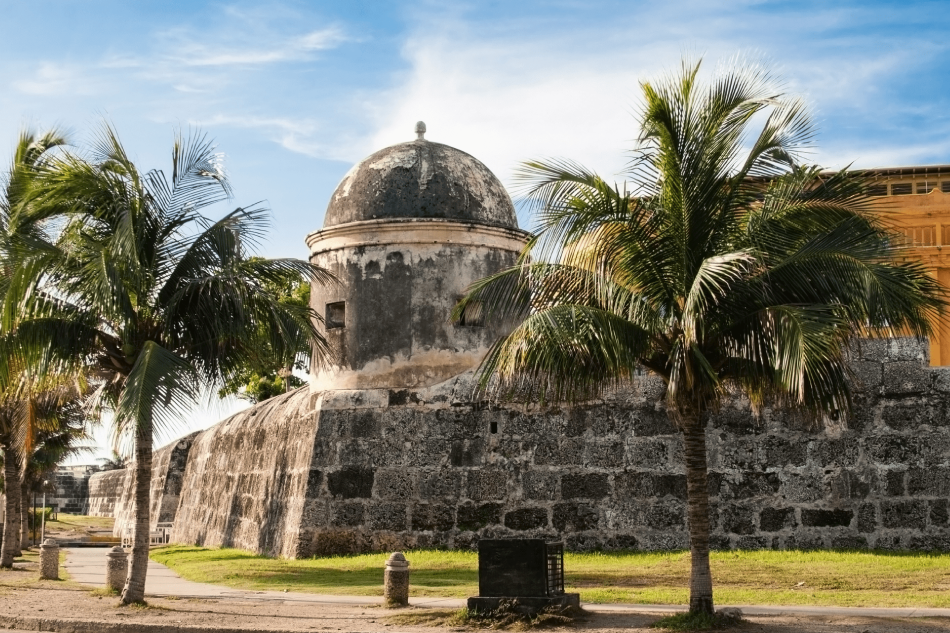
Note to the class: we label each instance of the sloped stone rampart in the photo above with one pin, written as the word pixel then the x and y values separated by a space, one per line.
pixel 247 478
pixel 168 466
pixel 105 491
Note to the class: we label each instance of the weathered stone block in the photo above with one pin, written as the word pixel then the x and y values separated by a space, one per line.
pixel 394 483
pixel 650 421
pixel 775 519
pixel 347 513
pixel 937 541
pixel 440 484
pixel 584 486
pixel 938 512
pixel 634 485
pixel 665 515
pixel 848 484
pixel 904 514
pixel 567 452
pixel 648 453
pixel 314 482
pixel 720 542
pixel 928 482
pixel 622 542
pixel 867 518
pixel 868 374
pixel 849 542
pixel 316 513
pixel 752 542
pixel 432 517
pixel 803 488
pixel 750 484
pixel 351 482
pixel 827 452
pixel 735 419
pixel 604 454
pixel 779 450
pixel 813 517
pixel 737 519
pixel 907 414
pixel 526 518
pixel 906 348
pixel 941 379
pixel 805 541
pixel 574 517
pixel 893 483
pixel 429 452
pixel 485 485
pixel 387 516
pixel 540 485
pixel 474 517
pixel 893 449
pixel 467 452
pixel 905 377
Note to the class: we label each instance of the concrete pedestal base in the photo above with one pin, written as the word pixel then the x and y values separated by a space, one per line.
pixel 527 605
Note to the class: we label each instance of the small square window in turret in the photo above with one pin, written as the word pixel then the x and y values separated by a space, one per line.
pixel 473 315
pixel 336 315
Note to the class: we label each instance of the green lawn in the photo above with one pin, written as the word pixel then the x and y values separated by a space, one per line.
pixel 759 577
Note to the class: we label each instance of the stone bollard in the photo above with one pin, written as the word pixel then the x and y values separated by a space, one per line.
pixel 117 568
pixel 49 560
pixel 396 581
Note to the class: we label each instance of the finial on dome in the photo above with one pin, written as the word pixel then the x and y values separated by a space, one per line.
pixel 420 131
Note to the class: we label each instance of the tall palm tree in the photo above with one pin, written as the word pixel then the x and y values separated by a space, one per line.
pixel 163 300
pixel 17 233
pixel 728 266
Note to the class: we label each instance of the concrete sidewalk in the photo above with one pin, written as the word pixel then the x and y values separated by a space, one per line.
pixel 88 566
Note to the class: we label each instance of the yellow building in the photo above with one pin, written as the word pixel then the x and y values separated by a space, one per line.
pixel 916 201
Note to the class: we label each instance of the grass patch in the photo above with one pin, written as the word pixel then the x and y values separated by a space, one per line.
pixel 104 592
pixel 67 521
pixel 698 621
pixel 819 578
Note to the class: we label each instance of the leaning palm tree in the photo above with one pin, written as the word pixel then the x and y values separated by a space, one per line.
pixel 162 300
pixel 727 267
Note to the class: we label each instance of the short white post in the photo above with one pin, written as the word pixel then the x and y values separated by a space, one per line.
pixel 49 560
pixel 396 581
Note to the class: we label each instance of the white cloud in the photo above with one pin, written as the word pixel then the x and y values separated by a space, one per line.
pixel 57 79
pixel 195 53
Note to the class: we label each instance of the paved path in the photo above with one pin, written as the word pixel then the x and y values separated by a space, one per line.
pixel 88 566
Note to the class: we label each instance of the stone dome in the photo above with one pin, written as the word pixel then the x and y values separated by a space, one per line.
pixel 421 180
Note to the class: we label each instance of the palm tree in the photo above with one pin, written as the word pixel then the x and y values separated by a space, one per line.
pixel 729 266
pixel 163 301
pixel 59 432
pixel 31 154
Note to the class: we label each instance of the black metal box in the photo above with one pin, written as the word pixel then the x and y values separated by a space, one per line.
pixel 520 568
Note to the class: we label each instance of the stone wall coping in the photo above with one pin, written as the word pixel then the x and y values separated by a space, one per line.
pixel 415 231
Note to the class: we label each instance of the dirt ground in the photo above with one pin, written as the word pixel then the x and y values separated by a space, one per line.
pixel 49 599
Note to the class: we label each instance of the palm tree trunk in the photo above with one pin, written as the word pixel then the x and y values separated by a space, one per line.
pixel 17 512
pixel 24 514
pixel 11 526
pixel 134 590
pixel 697 499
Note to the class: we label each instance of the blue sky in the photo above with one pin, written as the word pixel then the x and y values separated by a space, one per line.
pixel 296 92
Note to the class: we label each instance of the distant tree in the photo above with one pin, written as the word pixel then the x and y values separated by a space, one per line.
pixel 728 267
pixel 162 299
pixel 266 371
pixel 115 462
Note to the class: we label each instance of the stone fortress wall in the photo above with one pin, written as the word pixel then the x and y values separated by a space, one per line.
pixel 348 471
